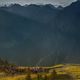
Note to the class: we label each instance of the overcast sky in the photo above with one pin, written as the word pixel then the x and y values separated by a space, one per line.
pixel 55 2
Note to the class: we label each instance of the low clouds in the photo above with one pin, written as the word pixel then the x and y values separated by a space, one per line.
pixel 55 2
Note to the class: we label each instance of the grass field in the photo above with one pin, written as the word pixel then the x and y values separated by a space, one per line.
pixel 64 72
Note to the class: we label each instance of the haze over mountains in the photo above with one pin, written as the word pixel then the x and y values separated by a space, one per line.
pixel 40 34
pixel 41 13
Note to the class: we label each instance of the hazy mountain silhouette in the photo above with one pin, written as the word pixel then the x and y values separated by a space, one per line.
pixel 40 34
pixel 41 13
pixel 68 23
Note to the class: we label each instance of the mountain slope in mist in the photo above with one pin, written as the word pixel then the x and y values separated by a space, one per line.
pixel 41 13
pixel 31 39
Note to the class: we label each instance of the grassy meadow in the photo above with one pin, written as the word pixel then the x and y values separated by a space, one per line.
pixel 58 72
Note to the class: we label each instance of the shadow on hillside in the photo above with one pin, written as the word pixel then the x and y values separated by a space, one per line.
pixel 63 77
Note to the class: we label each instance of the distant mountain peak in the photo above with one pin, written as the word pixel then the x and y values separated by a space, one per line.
pixel 30 5
pixel 77 3
pixel 60 7
pixel 33 6
pixel 15 5
pixel 49 5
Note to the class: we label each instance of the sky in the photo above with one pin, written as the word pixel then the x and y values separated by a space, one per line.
pixel 23 2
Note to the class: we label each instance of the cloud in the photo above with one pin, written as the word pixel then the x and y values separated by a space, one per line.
pixel 55 2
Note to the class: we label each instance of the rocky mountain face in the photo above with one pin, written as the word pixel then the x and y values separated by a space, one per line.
pixel 40 34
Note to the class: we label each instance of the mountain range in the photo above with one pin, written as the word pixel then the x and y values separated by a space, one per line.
pixel 40 34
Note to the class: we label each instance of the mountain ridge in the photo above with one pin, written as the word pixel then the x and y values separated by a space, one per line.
pixel 40 35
